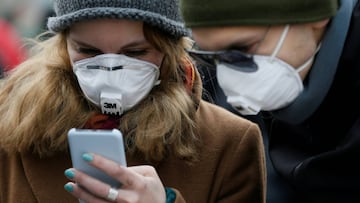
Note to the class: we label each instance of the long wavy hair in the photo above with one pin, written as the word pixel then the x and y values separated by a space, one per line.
pixel 41 100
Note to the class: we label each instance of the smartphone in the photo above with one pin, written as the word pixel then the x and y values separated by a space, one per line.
pixel 107 143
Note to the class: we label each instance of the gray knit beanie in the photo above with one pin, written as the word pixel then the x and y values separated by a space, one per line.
pixel 163 14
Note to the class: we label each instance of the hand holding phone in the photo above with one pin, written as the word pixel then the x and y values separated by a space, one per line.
pixel 107 143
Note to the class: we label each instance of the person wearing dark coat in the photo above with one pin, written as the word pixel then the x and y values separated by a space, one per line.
pixel 295 67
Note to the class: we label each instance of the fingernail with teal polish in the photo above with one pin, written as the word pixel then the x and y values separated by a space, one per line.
pixel 69 173
pixel 68 187
pixel 88 157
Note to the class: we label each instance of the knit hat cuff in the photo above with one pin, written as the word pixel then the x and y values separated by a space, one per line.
pixel 60 23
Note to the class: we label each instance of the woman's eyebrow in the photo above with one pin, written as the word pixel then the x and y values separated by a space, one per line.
pixel 80 43
pixel 136 43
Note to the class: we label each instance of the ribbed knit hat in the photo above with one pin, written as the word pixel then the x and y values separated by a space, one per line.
pixel 163 14
pixel 198 13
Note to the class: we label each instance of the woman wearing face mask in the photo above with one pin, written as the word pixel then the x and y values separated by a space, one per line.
pixel 132 55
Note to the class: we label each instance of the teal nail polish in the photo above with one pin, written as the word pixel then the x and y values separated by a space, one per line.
pixel 69 173
pixel 88 157
pixel 68 187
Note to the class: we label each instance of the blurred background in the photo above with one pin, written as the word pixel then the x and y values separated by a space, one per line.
pixel 20 19
pixel 27 16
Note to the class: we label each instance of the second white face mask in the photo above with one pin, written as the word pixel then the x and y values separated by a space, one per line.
pixel 274 85
pixel 115 82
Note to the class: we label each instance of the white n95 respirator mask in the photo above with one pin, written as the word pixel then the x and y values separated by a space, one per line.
pixel 115 82
pixel 272 86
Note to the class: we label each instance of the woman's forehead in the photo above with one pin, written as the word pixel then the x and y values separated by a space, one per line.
pixel 108 32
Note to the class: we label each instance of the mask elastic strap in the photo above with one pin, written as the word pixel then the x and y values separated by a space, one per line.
pixel 157 82
pixel 302 67
pixel 280 42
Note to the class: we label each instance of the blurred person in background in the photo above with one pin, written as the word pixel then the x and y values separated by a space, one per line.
pixel 12 51
pixel 28 17
pixel 19 21
pixel 296 64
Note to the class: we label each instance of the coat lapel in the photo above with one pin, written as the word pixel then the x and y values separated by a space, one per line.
pixel 46 177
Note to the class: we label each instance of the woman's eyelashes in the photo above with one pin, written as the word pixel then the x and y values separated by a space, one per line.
pixel 88 51
pixel 130 53
pixel 136 52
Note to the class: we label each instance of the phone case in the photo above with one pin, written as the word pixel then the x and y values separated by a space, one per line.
pixel 107 143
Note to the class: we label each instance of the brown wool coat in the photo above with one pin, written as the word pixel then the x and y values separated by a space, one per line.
pixel 231 168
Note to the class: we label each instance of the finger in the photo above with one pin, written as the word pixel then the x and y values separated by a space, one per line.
pixel 97 194
pixel 127 177
pixel 88 183
pixel 80 193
